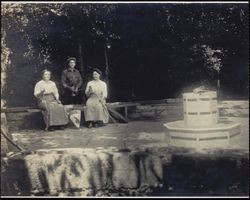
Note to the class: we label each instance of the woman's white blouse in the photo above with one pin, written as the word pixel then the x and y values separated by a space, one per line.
pixel 49 87
pixel 98 87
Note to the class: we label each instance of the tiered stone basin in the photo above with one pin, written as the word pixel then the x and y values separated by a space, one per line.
pixel 221 135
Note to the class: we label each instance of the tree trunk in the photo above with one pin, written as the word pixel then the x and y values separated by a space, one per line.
pixel 81 67
pixel 107 65
pixel 5 63
pixel 218 83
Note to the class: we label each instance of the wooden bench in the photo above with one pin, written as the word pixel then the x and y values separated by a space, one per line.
pixel 112 107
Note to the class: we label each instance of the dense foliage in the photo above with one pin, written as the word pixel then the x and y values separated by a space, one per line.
pixel 152 51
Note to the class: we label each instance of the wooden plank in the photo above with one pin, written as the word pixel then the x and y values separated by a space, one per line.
pixel 78 107
pixel 112 119
pixel 17 116
pixel 110 109
pixel 126 112
pixel 33 110
pixel 121 105
pixel 82 107
pixel 166 106
pixel 17 109
pixel 4 133
pixel 117 115
pixel 148 102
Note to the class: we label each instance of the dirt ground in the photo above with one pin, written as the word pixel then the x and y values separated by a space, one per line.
pixel 142 134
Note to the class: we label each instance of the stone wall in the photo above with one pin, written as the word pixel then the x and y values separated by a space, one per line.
pixel 82 172
pixel 110 172
pixel 25 120
pixel 234 108
pixel 4 130
pixel 174 110
pixel 4 143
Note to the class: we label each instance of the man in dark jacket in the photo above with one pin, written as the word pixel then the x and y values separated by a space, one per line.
pixel 71 82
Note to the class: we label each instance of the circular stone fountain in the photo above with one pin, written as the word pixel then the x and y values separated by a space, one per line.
pixel 201 127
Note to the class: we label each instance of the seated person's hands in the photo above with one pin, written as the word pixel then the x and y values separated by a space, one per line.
pixel 72 88
pixel 76 90
pixel 103 100
pixel 90 91
pixel 58 101
pixel 44 91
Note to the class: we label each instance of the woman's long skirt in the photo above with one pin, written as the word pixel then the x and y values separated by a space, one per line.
pixel 54 114
pixel 96 110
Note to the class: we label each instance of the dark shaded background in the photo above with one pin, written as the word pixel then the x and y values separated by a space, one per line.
pixel 150 55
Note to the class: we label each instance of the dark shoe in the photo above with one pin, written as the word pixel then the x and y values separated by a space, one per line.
pixel 90 125
pixel 61 128
pixel 51 129
pixel 96 125
pixel 101 124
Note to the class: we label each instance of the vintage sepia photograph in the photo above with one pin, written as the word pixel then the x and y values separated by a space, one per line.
pixel 124 99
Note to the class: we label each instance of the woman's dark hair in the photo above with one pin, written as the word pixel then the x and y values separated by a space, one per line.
pixel 45 70
pixel 98 71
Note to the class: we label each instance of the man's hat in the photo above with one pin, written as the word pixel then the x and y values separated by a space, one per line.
pixel 71 58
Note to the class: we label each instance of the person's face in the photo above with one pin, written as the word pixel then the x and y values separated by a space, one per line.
pixel 72 64
pixel 46 76
pixel 96 76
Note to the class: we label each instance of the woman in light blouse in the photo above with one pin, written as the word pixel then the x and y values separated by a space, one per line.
pixel 46 92
pixel 96 113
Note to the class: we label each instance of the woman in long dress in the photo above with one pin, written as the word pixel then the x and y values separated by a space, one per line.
pixel 53 111
pixel 96 113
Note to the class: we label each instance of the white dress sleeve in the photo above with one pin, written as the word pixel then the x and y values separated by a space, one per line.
pixel 37 89
pixel 87 88
pixel 55 91
pixel 105 91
